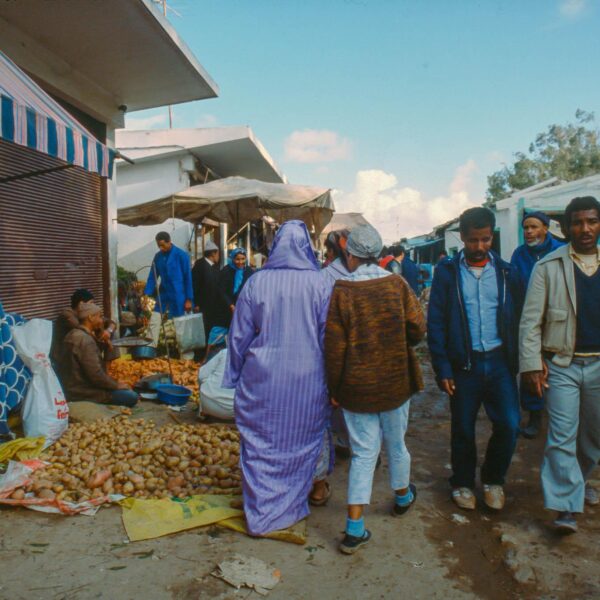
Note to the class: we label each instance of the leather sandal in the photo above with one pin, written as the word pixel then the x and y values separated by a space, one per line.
pixel 321 501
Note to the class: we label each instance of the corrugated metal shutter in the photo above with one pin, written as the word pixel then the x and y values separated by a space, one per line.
pixel 50 234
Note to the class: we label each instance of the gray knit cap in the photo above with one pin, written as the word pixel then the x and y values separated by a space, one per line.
pixel 87 309
pixel 364 242
pixel 210 246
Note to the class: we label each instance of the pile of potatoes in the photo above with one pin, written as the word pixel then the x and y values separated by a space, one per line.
pixel 185 372
pixel 134 458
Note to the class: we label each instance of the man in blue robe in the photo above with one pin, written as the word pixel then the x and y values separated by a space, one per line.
pixel 172 266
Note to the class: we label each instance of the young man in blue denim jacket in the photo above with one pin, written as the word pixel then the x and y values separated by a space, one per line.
pixel 473 340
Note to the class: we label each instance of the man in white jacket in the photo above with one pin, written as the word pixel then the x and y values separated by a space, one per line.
pixel 560 351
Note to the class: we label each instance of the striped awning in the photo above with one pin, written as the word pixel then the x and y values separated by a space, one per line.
pixel 31 118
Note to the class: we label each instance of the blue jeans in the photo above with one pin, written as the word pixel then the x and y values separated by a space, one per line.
pixel 366 431
pixel 123 398
pixel 489 382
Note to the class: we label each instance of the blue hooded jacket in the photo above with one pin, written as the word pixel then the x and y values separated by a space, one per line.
pixel 410 272
pixel 524 258
pixel 448 333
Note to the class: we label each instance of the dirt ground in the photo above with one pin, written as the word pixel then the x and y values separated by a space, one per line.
pixel 425 554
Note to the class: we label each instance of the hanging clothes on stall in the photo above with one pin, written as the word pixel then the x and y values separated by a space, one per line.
pixel 276 366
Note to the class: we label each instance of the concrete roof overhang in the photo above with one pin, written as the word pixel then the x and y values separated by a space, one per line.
pixel 103 55
pixel 227 151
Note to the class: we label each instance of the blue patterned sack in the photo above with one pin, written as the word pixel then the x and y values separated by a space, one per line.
pixel 14 375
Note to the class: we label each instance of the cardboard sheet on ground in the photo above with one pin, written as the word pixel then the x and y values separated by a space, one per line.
pixel 147 519
pixel 248 571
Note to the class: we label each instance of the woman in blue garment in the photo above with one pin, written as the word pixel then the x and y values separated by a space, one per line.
pixel 172 266
pixel 538 243
pixel 232 278
pixel 276 365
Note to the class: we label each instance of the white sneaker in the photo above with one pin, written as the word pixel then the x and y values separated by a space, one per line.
pixel 591 496
pixel 464 498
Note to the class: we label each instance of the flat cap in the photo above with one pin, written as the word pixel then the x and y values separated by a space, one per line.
pixel 364 242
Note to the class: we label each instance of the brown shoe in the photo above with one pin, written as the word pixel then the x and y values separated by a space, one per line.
pixel 493 496
pixel 464 498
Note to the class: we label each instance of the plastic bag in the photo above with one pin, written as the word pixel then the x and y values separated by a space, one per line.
pixel 145 519
pixel 18 475
pixel 296 534
pixel 189 331
pixel 21 449
pixel 45 410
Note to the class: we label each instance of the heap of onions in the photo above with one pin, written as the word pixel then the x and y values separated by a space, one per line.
pixel 134 458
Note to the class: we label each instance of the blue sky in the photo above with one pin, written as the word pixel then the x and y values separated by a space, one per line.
pixel 403 107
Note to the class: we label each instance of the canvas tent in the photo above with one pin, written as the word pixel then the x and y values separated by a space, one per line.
pixel 235 201
pixel 344 221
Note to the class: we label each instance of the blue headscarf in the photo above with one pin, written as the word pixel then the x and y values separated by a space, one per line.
pixel 239 273
pixel 292 249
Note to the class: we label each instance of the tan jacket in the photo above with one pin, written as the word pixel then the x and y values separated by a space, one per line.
pixel 85 377
pixel 549 321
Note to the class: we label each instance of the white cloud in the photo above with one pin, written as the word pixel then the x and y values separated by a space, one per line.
pixel 398 211
pixel 316 145
pixel 154 122
pixel 462 177
pixel 572 8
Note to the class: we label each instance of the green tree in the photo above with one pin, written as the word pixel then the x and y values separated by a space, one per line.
pixel 124 276
pixel 568 152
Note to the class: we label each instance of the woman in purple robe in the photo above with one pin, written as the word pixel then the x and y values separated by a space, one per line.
pixel 276 366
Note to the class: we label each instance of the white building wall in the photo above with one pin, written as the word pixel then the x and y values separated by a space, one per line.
pixel 507 221
pixel 146 181
pixel 150 180
pixel 509 212
pixel 452 241
pixel 111 201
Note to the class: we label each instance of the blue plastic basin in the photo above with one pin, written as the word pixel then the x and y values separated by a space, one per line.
pixel 175 395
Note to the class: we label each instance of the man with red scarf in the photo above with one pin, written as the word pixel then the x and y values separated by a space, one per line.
pixel 472 331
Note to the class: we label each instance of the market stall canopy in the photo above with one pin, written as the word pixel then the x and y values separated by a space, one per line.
pixel 30 117
pixel 344 221
pixel 235 201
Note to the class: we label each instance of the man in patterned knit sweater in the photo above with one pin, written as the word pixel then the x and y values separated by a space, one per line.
pixel 374 319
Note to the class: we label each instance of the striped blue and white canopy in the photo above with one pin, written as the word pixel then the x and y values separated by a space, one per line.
pixel 30 117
